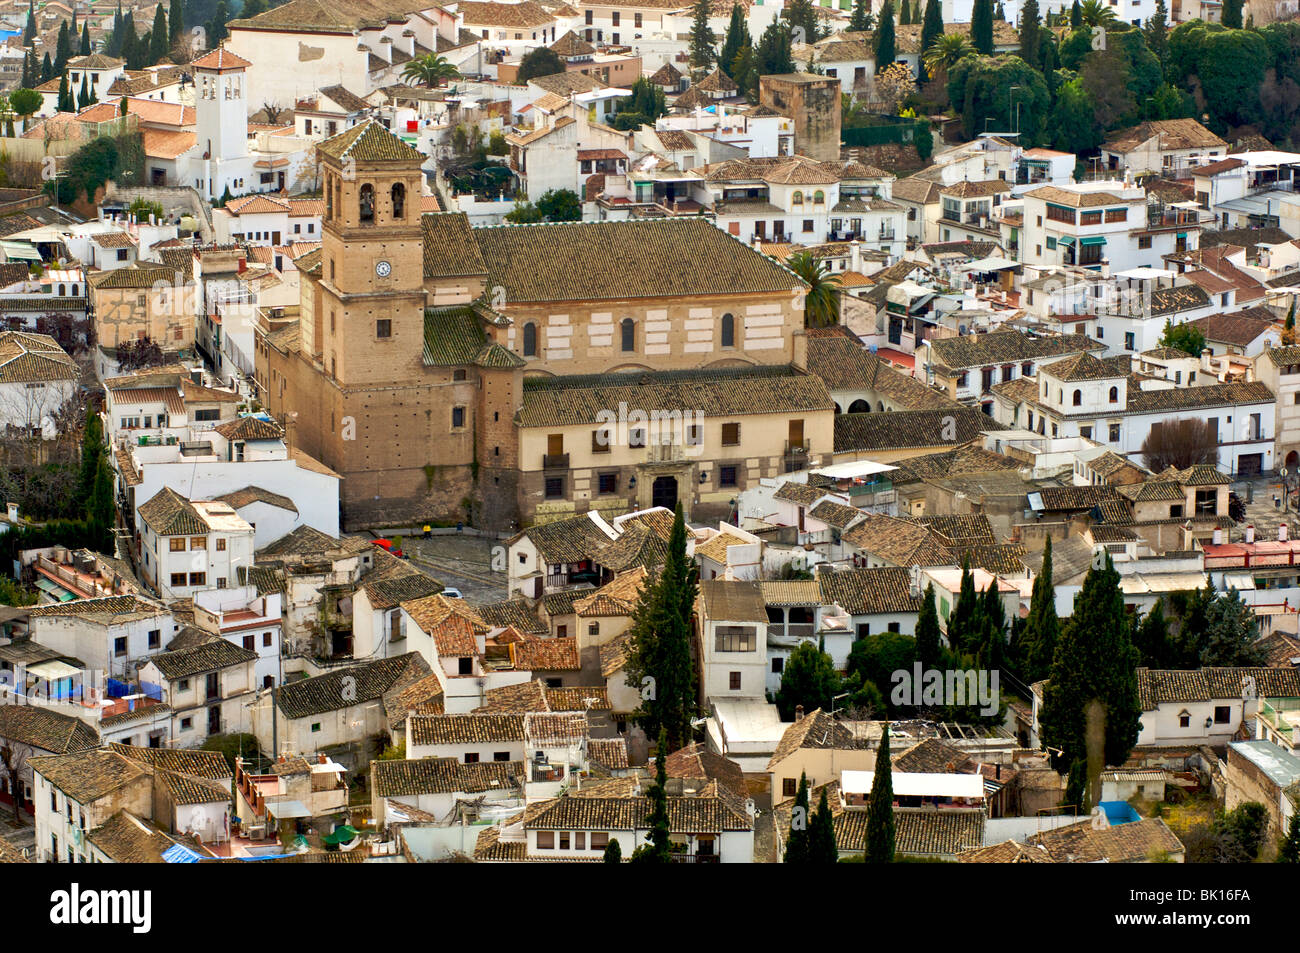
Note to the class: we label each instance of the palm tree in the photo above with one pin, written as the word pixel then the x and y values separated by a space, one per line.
pixel 429 70
pixel 1097 13
pixel 822 305
pixel 945 52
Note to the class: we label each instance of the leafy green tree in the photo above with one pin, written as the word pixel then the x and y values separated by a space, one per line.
pixel 944 53
pixel 659 663
pixel 1185 337
pixel 1030 32
pixel 808 680
pixel 880 808
pixel 702 38
pixel 1152 637
pixel 1231 14
pixel 981 27
pixel 542 61
pixel 923 140
pixel 1231 632
pixel 928 636
pixel 736 39
pixel 821 834
pixel 560 205
pixel 805 26
pixel 101 512
pixel 886 52
pixel 1095 662
pixel 772 55
pixel 1002 92
pixel 613 852
pixel 822 300
pixel 1240 833
pixel 1042 627
pixel 1288 852
pixel 861 19
pixel 25 103
pixel 1076 787
pixel 1097 13
pixel 797 843
pixel 872 661
pixel 656 850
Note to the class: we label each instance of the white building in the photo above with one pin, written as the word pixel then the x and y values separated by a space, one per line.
pixel 188 545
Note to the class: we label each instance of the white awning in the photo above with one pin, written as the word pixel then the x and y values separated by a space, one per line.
pixel 916 784
pixel 53 670
pixel 988 264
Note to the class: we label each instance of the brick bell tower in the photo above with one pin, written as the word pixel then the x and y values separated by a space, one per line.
pixel 377 427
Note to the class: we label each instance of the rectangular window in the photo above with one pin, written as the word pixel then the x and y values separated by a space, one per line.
pixel 177 544
pixel 789 787
pixel 457 417
pixel 731 435
pixel 1144 241
pixel 599 840
pixel 554 488
pixel 501 756
pixel 600 441
pixel 607 483
pixel 1222 714
pixel 1114 433
pixel 384 328
pixel 221 544
pixel 1116 215
pixel 178 579
pixel 119 646
pixel 726 476
pixel 198 579
pixel 733 638
pixel 546 839
pixel 198 542
pixel 471 757
pixel 187 724
pixel 1090 218
pixel 1058 214
pixel 155 639
pixel 734 681
pixel 1207 502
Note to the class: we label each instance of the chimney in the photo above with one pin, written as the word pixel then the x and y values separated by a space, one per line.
pixel 410 46
pixel 1250 534
pixel 281 759
pixel 855 255
pixel 320 758
pixel 11 510
pixel 386 48
pixel 798 712
pixel 1218 537
pixel 1282 530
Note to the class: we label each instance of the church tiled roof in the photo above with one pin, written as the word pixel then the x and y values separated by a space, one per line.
pixel 369 141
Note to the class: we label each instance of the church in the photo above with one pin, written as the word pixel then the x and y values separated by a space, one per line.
pixel 512 374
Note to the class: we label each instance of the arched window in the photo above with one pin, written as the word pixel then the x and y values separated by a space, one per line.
pixel 628 328
pixel 797 199
pixel 819 197
pixel 1060 395
pixel 366 204
pixel 728 330
pixel 399 200
pixel 530 340
pixel 329 200
pixel 1114 395
pixel 1078 398
pixel 61 290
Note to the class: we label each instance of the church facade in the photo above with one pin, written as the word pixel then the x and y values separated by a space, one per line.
pixel 429 362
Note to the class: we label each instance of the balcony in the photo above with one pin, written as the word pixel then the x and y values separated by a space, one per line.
pixel 791 630
pixel 555 461
pixel 678 858
pixel 796 456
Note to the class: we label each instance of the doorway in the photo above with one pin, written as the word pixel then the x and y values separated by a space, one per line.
pixel 664 492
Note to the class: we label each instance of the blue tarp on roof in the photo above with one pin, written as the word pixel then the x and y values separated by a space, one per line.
pixel 178 854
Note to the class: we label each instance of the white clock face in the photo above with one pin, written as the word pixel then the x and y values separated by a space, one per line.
pixel 383 269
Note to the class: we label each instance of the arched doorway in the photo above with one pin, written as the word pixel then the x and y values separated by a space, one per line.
pixel 1292 459
pixel 663 492
pixel 860 406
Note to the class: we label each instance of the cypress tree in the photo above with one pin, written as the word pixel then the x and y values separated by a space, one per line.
pixel 28 80
pixel 159 39
pixel 702 38
pixel 821 834
pixel 880 810
pixel 772 55
pixel 1030 33
pixel 83 96
pixel 904 14
pixel 29 32
pixel 961 621
pixel 861 19
pixel 931 28
pixel 1042 627
pixel 1231 16
pixel 613 852
pixel 737 38
pixel 101 512
pixel 92 448
pixel 217 27
pixel 1156 30
pixel 1000 13
pixel 992 644
pixel 85 48
pixel 65 103
pixel 63 48
pixel 655 851
pixel 886 51
pixel 928 645
pixel 176 20
pixel 47 68
pixel 797 845
pixel 660 663
pixel 1095 662
pixel 1076 15
pixel 1050 64
pixel 981 27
